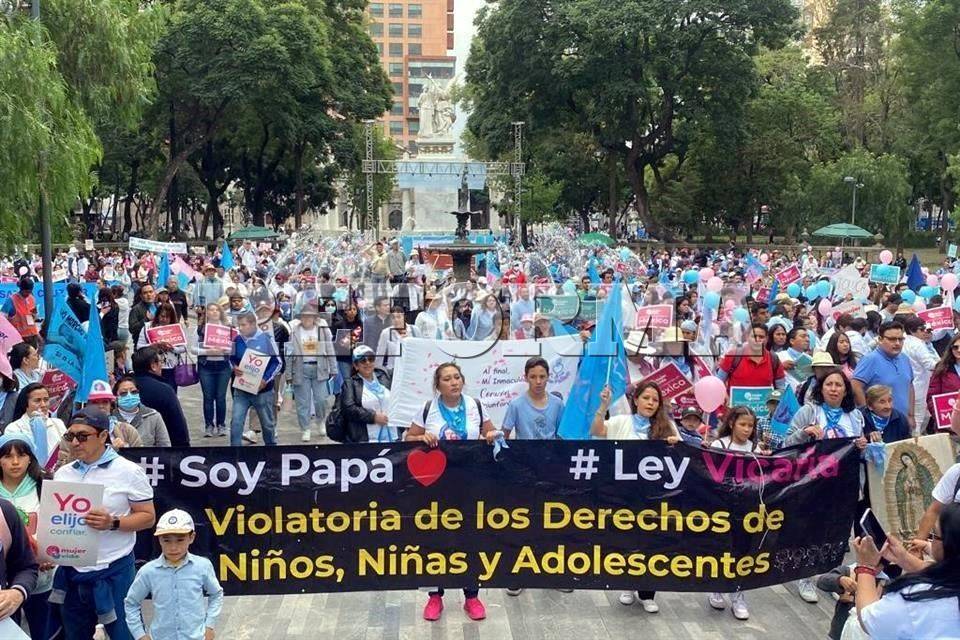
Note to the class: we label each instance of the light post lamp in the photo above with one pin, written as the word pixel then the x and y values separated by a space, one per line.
pixel 46 249
pixel 855 185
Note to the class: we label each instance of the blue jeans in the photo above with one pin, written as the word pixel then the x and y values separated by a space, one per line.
pixel 262 403
pixel 311 388
pixel 214 380
pixel 79 615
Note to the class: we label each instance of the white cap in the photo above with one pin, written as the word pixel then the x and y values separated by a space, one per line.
pixel 174 521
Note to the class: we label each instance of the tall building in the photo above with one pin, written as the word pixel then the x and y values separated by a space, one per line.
pixel 414 40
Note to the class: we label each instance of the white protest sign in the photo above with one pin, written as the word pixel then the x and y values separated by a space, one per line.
pixel 142 244
pixel 849 281
pixel 88 244
pixel 63 535
pixel 253 365
pixel 493 374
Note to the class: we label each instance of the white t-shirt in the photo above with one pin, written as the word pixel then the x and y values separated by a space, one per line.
pixel 370 402
pixel 123 482
pixel 946 490
pixel 436 425
pixel 620 427
pixel 310 342
pixel 726 442
pixel 893 618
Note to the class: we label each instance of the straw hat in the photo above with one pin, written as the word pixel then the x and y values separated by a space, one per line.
pixel 822 359
pixel 672 334
pixel 637 344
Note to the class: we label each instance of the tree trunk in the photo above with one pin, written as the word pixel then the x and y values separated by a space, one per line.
pixel 131 192
pixel 173 167
pixel 612 195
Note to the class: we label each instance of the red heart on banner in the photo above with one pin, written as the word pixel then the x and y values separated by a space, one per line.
pixel 426 467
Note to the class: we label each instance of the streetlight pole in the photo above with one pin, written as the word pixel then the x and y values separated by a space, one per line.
pixel 855 185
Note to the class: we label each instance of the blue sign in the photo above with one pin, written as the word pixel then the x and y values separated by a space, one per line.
pixel 884 273
pixel 59 293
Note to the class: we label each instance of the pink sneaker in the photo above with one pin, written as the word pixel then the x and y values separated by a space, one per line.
pixel 433 609
pixel 475 609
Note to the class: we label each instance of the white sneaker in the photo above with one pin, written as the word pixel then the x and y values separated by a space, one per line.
pixel 626 598
pixel 717 601
pixel 250 436
pixel 514 592
pixel 739 606
pixel 808 593
pixel 305 436
pixel 650 606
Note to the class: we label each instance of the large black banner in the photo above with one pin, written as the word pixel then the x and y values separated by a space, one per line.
pixel 588 514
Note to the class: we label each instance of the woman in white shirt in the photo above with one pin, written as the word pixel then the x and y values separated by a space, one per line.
pixel 35 422
pixel 388 346
pixel 433 322
pixel 919 604
pixel 923 360
pixel 649 421
pixel 451 415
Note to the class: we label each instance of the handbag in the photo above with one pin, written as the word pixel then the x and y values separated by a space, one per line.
pixel 185 373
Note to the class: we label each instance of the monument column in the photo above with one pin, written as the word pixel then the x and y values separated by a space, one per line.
pixel 405 209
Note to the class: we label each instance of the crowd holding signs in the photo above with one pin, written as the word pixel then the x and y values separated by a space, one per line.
pixel 762 384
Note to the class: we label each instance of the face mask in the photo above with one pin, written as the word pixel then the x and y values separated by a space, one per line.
pixel 129 402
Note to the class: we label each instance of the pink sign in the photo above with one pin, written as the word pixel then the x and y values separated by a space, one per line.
pixel 701 367
pixel 658 316
pixel 852 307
pixel 763 295
pixel 59 385
pixel 172 334
pixel 670 379
pixel 943 409
pixel 217 336
pixel 937 318
pixel 789 275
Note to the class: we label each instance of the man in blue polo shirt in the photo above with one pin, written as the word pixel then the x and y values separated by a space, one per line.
pixel 888 366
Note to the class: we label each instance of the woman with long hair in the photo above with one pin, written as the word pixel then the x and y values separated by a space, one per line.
pixel 109 315
pixel 777 340
pixel 26 364
pixel 841 350
pixel 946 375
pixel 450 415
pixel 169 354
pixel 649 421
pixel 36 423
pixel 832 415
pixel 924 602
pixel 20 480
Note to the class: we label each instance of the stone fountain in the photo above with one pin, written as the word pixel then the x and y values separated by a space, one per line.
pixel 461 250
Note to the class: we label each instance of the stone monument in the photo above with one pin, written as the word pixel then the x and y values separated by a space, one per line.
pixel 462 250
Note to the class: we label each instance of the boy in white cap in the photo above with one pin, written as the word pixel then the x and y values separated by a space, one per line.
pixel 177 582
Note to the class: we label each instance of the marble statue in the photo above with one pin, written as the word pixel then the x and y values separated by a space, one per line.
pixel 437 110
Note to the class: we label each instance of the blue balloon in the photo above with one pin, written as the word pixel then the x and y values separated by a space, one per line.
pixel 908 296
pixel 690 276
pixel 741 315
pixel 927 291
pixel 956 304
pixel 625 254
pixel 794 290
pixel 711 299
pixel 825 288
pixel 812 292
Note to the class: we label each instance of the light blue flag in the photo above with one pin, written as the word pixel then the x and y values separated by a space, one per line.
pixel 163 272
pixel 94 362
pixel 183 281
pixel 61 358
pixel 592 271
pixel 774 292
pixel 226 259
pixel 604 362
pixel 786 409
pixel 65 329
pixel 492 267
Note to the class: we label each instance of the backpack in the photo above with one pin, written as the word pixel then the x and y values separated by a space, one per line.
pixel 336 429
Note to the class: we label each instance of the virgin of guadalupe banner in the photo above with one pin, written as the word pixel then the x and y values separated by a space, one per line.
pixel 492 371
pixel 900 491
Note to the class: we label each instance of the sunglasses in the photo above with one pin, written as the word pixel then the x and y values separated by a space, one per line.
pixel 79 437
pixel 367 359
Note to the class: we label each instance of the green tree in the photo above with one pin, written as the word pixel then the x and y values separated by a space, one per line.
pixel 930 60
pixel 628 74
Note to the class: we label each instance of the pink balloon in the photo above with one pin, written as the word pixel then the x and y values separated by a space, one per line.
pixel 706 274
pixel 825 307
pixel 764 258
pixel 714 284
pixel 948 282
pixel 933 280
pixel 886 257
pixel 710 393
pixel 729 304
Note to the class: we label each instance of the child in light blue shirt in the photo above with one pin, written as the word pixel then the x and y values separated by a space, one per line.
pixel 534 415
pixel 177 582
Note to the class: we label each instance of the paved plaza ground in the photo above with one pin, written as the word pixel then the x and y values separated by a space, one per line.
pixel 775 612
